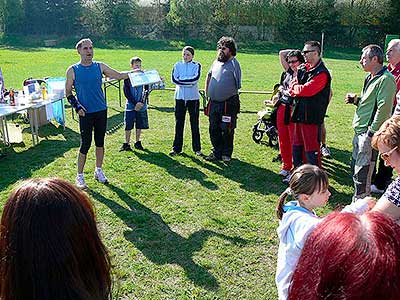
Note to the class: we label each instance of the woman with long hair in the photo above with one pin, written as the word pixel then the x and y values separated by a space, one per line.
pixel 50 247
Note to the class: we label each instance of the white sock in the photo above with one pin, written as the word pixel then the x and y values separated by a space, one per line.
pixel 97 169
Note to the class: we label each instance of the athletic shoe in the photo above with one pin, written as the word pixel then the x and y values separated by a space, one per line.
pixel 211 157
pixel 325 152
pixel 80 182
pixel 284 173
pixel 375 190
pixel 173 153
pixel 198 153
pixel 286 179
pixel 226 158
pixel 125 147
pixel 138 145
pixel 99 176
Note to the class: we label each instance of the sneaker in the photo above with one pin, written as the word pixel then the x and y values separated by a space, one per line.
pixel 198 153
pixel 80 182
pixel 284 173
pixel 99 176
pixel 125 147
pixel 173 153
pixel 375 190
pixel 325 152
pixel 226 158
pixel 211 157
pixel 286 179
pixel 138 145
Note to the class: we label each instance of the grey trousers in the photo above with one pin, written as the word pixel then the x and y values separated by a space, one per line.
pixel 362 165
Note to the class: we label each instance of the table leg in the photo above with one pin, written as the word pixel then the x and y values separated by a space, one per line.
pixel 119 92
pixel 31 123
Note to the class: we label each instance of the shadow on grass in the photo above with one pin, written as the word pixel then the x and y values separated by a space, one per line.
pixel 250 177
pixel 340 172
pixel 162 109
pixel 175 168
pixel 115 122
pixel 21 165
pixel 155 239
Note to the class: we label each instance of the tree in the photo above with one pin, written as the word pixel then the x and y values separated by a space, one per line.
pixel 13 16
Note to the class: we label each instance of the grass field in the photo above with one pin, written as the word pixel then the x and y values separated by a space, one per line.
pixel 181 228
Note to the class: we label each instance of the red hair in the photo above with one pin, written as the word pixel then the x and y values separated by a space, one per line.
pixel 349 256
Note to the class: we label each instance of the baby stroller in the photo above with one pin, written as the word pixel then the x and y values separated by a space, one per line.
pixel 266 123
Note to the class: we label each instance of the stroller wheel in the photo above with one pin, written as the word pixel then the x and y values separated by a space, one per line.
pixel 257 136
pixel 273 138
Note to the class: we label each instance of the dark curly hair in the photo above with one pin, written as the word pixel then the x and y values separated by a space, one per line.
pixel 227 42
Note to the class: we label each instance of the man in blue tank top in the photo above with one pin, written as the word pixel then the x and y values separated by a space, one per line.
pixel 90 105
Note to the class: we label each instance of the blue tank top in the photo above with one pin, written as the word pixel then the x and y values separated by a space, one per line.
pixel 87 84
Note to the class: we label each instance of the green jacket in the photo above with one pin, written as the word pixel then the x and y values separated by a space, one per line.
pixel 376 102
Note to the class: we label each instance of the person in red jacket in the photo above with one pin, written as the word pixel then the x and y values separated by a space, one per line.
pixel 311 90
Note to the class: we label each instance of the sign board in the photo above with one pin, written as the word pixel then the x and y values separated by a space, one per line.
pixel 144 78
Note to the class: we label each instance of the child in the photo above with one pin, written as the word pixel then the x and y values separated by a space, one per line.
pixel 135 109
pixel 308 186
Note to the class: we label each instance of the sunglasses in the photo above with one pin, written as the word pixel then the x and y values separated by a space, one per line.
pixel 308 51
pixel 222 48
pixel 292 61
pixel 386 155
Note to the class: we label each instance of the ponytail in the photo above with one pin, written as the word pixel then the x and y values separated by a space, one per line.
pixel 281 203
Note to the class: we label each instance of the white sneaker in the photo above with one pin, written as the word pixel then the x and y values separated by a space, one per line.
pixel 198 153
pixel 80 182
pixel 99 176
pixel 284 173
pixel 375 190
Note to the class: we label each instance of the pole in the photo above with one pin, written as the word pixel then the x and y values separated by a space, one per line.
pixel 322 42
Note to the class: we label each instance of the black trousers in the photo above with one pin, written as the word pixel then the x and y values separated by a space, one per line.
pixel 221 131
pixel 382 175
pixel 181 106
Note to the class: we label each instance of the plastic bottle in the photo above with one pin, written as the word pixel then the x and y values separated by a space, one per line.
pixel 44 92
pixel 12 97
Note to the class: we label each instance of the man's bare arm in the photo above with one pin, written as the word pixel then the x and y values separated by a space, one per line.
pixel 111 73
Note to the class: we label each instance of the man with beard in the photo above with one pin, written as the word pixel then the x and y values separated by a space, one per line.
pixel 222 86
pixel 86 78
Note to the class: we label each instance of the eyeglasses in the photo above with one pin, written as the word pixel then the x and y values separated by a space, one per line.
pixel 222 48
pixel 386 155
pixel 292 61
pixel 307 51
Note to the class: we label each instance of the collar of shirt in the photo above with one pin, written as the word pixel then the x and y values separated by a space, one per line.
pixel 395 70
pixel 309 67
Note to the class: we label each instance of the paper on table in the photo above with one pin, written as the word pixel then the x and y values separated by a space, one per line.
pixel 143 78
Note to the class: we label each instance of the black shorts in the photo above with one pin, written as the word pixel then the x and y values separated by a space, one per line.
pixel 96 122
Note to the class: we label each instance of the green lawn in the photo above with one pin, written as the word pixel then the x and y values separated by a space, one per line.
pixel 181 228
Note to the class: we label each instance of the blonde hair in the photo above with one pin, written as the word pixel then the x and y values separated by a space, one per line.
pixel 306 179
pixel 388 133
